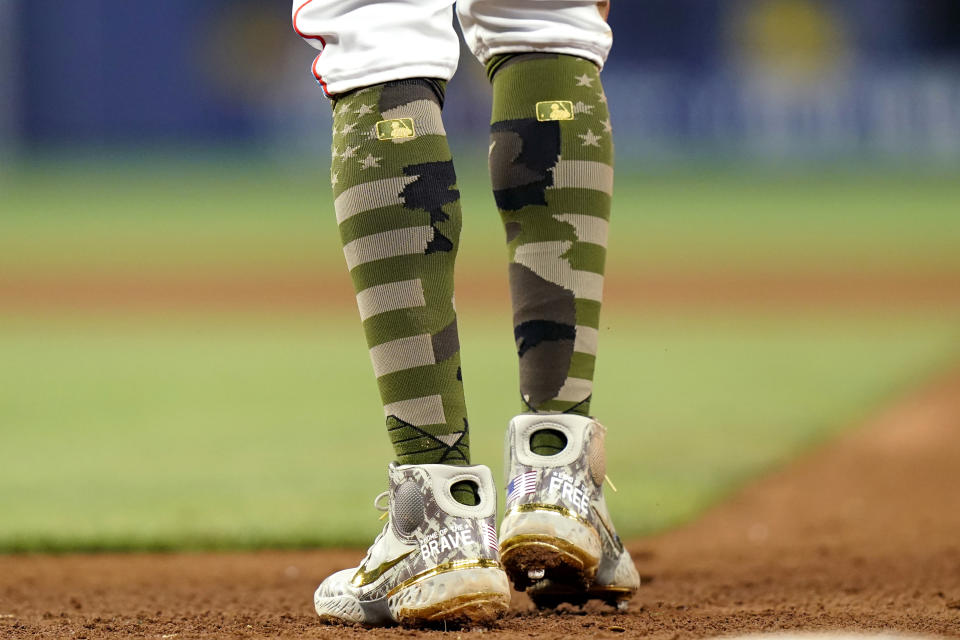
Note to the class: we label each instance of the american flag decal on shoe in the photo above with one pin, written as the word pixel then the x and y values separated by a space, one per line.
pixel 522 485
pixel 488 533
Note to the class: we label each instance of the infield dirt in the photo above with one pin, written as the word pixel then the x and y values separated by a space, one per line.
pixel 298 291
pixel 863 534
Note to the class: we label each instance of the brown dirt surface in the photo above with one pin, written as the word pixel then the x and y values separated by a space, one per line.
pixel 862 534
pixel 317 291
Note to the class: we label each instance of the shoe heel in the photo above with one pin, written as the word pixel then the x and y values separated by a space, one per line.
pixel 540 542
pixel 463 592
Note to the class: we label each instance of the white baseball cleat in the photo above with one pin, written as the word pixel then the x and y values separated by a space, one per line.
pixel 558 541
pixel 435 561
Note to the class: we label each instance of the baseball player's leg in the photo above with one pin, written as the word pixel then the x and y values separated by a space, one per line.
pixel 397 205
pixel 398 211
pixel 551 163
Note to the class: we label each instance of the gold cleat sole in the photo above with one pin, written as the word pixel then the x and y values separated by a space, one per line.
pixel 477 609
pixel 528 555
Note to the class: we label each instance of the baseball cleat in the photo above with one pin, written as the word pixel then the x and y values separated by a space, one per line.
pixel 436 560
pixel 557 539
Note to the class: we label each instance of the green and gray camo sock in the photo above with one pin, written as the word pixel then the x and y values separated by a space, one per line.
pixel 551 164
pixel 398 210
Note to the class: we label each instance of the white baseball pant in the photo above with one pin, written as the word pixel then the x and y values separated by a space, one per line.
pixel 367 42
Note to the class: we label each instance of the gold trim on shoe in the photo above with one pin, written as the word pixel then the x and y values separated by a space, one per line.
pixel 611 589
pixel 446 567
pixel 477 608
pixel 580 556
pixel 363 577
pixel 534 506
pixel 594 592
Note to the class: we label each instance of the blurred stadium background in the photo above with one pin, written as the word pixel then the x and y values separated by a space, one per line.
pixel 180 359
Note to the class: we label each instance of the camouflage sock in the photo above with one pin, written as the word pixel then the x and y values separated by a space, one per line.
pixel 551 163
pixel 398 210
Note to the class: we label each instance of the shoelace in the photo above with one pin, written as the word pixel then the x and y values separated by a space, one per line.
pixel 386 511
pixel 610 482
pixel 385 507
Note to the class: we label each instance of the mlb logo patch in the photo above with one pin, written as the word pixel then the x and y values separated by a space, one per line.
pixel 554 110
pixel 522 485
pixel 395 129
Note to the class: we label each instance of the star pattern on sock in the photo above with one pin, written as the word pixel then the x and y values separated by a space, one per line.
pixel 607 126
pixel 347 128
pixel 584 80
pixel 590 139
pixel 334 178
pixel 349 152
pixel 370 162
pixel 364 109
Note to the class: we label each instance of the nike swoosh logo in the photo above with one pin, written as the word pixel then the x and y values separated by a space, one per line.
pixel 363 577
pixel 614 538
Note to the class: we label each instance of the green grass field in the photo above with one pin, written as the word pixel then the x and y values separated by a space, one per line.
pixel 190 428
pixel 167 217
pixel 224 431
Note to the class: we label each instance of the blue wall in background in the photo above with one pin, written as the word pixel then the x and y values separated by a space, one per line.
pixel 114 69
pixel 117 71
